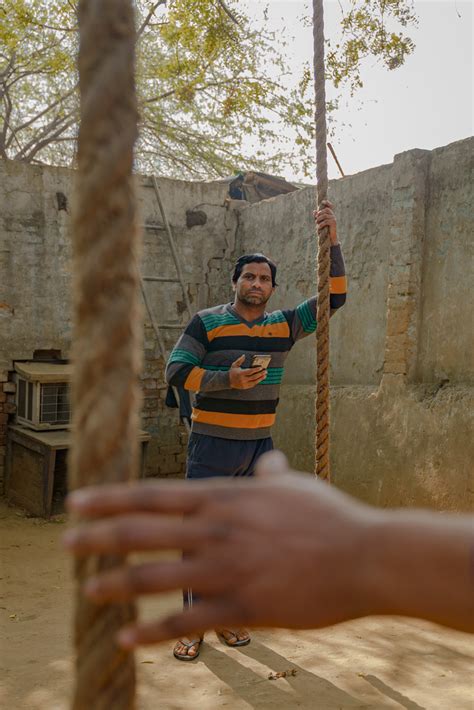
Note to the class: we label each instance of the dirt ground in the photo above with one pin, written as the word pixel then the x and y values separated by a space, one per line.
pixel 376 663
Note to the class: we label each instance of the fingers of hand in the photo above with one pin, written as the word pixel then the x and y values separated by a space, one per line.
pixel 325 214
pixel 250 382
pixel 112 499
pixel 238 362
pixel 249 377
pixel 255 373
pixel 326 206
pixel 199 617
pixel 127 582
pixel 130 533
pixel 325 223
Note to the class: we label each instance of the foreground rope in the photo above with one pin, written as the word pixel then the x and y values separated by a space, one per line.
pixel 107 345
pixel 322 316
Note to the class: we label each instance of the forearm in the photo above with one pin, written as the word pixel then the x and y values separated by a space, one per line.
pixel 197 379
pixel 420 564
pixel 337 279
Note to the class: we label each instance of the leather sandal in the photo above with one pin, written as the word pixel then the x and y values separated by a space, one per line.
pixel 243 642
pixel 188 644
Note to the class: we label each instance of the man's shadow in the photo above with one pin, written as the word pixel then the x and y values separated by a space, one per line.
pixel 306 690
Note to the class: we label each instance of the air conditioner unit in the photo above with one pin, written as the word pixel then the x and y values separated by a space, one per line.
pixel 42 395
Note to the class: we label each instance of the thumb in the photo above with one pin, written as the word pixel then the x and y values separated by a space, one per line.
pixel 238 362
pixel 271 464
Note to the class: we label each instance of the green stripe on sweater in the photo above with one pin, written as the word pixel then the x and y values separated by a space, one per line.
pixel 308 321
pixel 212 320
pixel 184 356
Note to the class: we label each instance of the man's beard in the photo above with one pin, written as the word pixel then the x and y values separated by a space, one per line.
pixel 247 299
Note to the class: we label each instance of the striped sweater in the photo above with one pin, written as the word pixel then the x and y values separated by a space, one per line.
pixel 217 336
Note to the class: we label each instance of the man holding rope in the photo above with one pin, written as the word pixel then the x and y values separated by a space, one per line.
pixel 233 357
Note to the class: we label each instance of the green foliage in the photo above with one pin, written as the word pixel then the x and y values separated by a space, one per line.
pixel 366 31
pixel 209 83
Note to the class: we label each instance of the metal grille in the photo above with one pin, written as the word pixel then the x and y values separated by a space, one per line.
pixel 54 403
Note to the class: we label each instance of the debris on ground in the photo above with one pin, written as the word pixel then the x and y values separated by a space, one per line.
pixel 282 674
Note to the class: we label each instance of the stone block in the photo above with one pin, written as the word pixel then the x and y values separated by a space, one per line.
pixel 150 403
pixel 170 449
pixel 168 464
pixel 398 322
pixel 149 383
pixel 9 387
pixel 395 367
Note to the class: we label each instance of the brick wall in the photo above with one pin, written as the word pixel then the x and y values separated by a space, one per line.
pixel 7 408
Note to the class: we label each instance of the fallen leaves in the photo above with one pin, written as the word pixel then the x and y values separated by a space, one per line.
pixel 282 674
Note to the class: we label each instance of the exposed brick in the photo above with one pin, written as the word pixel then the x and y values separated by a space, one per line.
pixel 10 407
pixel 149 384
pixel 395 368
pixel 170 449
pixel 150 403
pixel 3 420
pixel 3 397
pixel 168 464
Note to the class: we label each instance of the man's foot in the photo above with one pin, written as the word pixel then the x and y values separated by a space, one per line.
pixel 186 649
pixel 239 637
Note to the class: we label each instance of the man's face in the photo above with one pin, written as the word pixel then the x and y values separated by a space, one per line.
pixel 254 285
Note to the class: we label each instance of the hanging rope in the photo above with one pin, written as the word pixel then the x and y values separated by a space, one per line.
pixel 107 344
pixel 322 316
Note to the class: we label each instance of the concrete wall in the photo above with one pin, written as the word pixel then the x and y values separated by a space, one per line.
pixel 35 281
pixel 402 368
pixel 401 348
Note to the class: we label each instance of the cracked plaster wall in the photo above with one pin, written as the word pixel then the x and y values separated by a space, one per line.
pixel 35 281
pixel 402 366
pixel 401 348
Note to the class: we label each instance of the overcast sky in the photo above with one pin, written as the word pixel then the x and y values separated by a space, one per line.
pixel 426 103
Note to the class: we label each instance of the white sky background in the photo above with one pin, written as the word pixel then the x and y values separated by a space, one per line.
pixel 426 103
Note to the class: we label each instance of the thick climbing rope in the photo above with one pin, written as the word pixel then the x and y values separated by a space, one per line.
pixel 323 312
pixel 108 325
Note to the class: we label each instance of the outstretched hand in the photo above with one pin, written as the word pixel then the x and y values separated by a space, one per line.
pixel 296 576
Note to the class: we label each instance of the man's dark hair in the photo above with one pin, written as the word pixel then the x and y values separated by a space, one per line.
pixel 253 259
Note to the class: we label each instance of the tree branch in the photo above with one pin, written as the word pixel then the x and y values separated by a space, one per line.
pixel 43 135
pixel 27 157
pixel 147 19
pixel 39 115
pixel 228 12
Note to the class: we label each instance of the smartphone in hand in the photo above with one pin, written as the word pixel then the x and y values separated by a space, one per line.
pixel 262 361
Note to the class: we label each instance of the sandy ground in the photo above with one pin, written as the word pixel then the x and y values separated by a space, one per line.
pixel 376 663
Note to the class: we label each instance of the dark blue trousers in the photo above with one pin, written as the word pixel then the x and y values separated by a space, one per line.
pixel 211 456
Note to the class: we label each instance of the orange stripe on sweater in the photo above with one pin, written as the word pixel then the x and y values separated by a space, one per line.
pixel 194 379
pixel 338 284
pixel 272 330
pixel 234 421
